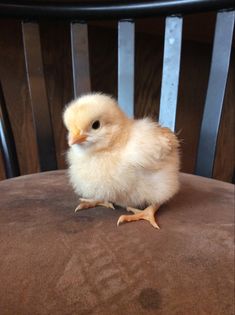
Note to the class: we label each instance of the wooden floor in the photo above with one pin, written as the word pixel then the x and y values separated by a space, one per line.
pixel 196 54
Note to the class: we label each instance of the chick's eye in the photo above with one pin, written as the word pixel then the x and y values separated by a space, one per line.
pixel 96 124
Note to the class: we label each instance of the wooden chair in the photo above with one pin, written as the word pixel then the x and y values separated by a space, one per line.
pixel 67 264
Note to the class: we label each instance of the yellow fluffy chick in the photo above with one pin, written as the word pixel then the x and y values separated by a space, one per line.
pixel 117 160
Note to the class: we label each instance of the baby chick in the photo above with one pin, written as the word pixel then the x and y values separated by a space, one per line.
pixel 117 160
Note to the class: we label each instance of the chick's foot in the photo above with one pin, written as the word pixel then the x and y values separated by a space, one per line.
pixel 90 203
pixel 146 214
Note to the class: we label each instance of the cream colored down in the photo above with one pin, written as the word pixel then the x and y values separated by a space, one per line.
pixel 127 162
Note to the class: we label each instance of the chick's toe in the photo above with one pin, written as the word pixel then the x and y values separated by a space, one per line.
pixel 90 203
pixel 146 214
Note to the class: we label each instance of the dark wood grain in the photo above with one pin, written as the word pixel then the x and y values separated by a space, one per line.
pixel 38 96
pixel 7 141
pixel 148 69
pixel 195 67
pixel 103 59
pixel 55 39
pixel 224 166
pixel 14 84
pixel 2 169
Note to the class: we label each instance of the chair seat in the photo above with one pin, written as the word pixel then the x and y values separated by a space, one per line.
pixel 55 261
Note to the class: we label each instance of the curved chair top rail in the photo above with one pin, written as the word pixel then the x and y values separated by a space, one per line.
pixel 108 9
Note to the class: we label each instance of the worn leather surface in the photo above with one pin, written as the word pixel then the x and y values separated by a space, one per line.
pixel 53 261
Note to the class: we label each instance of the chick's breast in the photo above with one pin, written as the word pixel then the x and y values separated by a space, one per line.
pixel 100 176
pixel 143 170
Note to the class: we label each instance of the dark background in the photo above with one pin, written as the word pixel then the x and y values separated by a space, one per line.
pixel 55 40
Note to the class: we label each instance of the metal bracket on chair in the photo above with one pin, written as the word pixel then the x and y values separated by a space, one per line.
pixel 80 58
pixel 126 66
pixel 171 70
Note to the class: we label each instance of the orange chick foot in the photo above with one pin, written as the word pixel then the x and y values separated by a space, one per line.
pixel 90 203
pixel 146 214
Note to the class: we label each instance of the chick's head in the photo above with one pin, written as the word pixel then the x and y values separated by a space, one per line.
pixel 93 121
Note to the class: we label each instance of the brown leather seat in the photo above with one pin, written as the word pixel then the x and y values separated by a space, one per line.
pixel 54 261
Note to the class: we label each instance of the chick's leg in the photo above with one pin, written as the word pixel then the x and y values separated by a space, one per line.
pixel 146 214
pixel 90 203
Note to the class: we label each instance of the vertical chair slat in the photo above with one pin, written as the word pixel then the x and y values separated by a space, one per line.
pixel 126 65
pixel 80 58
pixel 38 96
pixel 215 92
pixel 7 144
pixel 171 70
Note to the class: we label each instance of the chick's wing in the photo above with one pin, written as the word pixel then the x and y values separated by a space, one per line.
pixel 150 145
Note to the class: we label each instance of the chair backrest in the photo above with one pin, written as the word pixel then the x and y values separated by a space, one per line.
pixel 125 13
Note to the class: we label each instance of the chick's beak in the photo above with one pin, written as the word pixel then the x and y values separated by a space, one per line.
pixel 75 139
